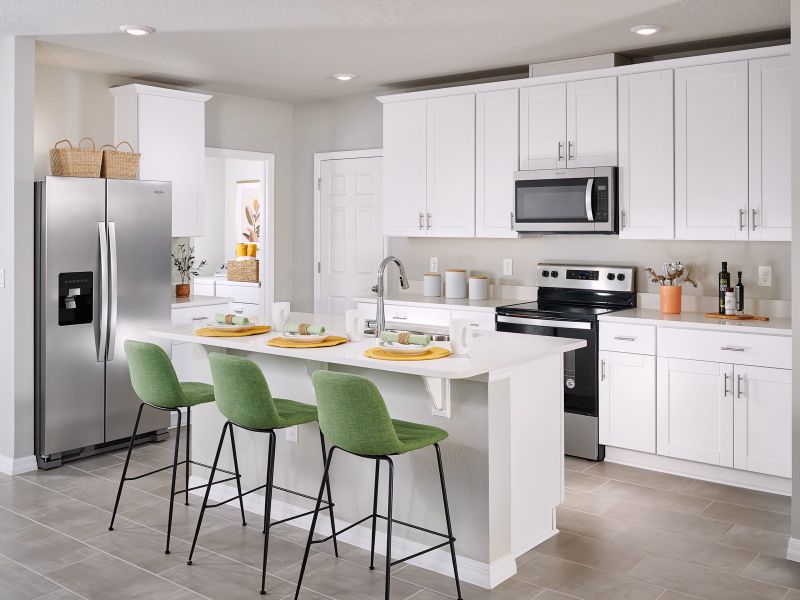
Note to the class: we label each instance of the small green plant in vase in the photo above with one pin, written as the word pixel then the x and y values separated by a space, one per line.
pixel 676 274
pixel 186 265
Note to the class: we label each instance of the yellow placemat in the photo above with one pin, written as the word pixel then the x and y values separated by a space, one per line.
pixel 381 354
pixel 331 340
pixel 255 330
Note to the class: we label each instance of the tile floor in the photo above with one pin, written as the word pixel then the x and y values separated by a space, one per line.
pixel 626 533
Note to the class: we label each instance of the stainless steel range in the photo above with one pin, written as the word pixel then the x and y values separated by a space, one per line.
pixel 570 299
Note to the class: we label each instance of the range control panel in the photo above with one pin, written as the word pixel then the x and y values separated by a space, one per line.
pixel 581 277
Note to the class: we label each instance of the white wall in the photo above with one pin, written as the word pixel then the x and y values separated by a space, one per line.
pixel 211 246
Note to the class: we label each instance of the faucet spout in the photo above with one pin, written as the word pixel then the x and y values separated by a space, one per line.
pixel 380 316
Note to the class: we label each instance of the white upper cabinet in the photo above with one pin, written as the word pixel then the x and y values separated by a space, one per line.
pixel 592 122
pixel 543 127
pixel 405 135
pixel 711 152
pixel 168 128
pixel 451 166
pixel 496 159
pixel 646 163
pixel 770 149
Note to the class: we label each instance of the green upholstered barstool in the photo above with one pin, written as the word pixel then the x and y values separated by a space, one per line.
pixel 155 382
pixel 353 417
pixel 243 397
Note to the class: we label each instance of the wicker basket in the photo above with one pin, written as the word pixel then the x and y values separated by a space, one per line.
pixel 118 164
pixel 243 270
pixel 75 162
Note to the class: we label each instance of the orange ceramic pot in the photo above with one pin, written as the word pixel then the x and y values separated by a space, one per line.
pixel 182 290
pixel 671 299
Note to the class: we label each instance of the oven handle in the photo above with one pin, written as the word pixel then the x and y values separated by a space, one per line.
pixel 588 200
pixel 543 322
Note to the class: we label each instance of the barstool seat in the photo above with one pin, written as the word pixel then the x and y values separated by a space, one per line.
pixel 415 436
pixel 195 393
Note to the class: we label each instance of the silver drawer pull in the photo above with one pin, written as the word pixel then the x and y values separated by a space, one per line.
pixel 399 318
pixel 474 324
pixel 732 348
pixel 625 338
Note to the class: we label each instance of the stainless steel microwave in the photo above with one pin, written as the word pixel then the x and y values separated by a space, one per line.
pixel 566 200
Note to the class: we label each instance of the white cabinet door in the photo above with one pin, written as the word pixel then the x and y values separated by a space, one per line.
pixel 592 123
pixel 405 163
pixel 711 148
pixel 770 149
pixel 695 410
pixel 451 167
pixel 543 127
pixel 628 401
pixel 172 144
pixel 646 161
pixel 762 420
pixel 496 159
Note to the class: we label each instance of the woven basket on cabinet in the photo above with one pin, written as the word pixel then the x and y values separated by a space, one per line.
pixel 243 270
pixel 118 164
pixel 75 162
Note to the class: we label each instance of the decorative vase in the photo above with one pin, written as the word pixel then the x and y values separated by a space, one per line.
pixel 182 290
pixel 671 299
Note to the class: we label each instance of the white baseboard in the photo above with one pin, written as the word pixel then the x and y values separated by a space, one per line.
pixel 793 551
pixel 696 470
pixel 472 571
pixel 16 466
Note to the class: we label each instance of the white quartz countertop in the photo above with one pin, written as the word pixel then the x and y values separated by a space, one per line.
pixel 695 320
pixel 490 352
pixel 195 301
pixel 441 302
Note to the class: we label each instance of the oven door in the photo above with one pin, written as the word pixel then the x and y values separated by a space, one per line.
pixel 580 366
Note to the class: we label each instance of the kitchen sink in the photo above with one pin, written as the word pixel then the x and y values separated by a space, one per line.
pixel 435 336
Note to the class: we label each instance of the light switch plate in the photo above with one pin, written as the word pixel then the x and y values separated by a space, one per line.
pixel 508 267
pixel 764 276
pixel 2 278
pixel 434 266
pixel 292 434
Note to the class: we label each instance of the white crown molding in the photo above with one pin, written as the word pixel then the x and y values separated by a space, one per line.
pixel 138 88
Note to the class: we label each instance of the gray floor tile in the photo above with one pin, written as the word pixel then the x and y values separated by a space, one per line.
pixel 103 577
pixel 77 519
pixel 102 493
pixel 10 521
pixel 5 477
pixel 23 497
pixel 735 495
pixel 667 520
pixel 792 595
pixel 693 579
pixel 582 482
pixel 441 587
pixel 61 594
pixel 758 540
pixel 587 551
pixel 184 519
pixel 751 517
pixel 573 463
pixel 148 483
pixel 98 461
pixel 58 479
pixel 43 550
pixel 653 479
pixel 779 571
pixel 586 502
pixel 18 583
pixel 554 595
pixel 672 595
pixel 629 492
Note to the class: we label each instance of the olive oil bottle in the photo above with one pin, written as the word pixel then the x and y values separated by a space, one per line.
pixel 724 284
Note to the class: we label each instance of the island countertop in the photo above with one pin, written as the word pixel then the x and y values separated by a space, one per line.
pixel 491 351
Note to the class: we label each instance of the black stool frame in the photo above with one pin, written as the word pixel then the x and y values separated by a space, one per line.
pixel 268 487
pixel 449 539
pixel 173 466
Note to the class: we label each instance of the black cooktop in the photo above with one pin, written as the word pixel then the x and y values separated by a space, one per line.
pixel 555 310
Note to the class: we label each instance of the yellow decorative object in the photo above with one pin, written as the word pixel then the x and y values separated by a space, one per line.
pixel 433 353
pixel 331 340
pixel 252 250
pixel 255 330
pixel 241 250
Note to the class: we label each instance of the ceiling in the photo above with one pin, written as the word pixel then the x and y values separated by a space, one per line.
pixel 288 49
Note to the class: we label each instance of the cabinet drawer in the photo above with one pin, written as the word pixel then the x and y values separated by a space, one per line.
pixel 367 310
pixel 184 316
pixel 622 337
pixel 399 314
pixel 250 294
pixel 726 347
pixel 483 321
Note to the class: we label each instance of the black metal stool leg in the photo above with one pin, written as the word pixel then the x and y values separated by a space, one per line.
pixel 238 477
pixel 125 468
pixel 330 502
pixel 268 508
pixel 389 528
pixel 208 489
pixel 314 521
pixel 174 474
pixel 447 517
pixel 188 450
pixel 374 513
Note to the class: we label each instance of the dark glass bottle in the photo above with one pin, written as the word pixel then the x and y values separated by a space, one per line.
pixel 724 284
pixel 739 293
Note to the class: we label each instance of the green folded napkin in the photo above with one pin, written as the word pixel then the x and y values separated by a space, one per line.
pixel 235 320
pixel 414 338
pixel 310 329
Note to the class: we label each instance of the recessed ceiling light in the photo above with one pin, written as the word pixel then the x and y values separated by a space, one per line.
pixel 345 76
pixel 137 29
pixel 646 29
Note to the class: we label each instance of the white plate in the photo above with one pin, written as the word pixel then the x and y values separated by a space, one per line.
pixel 306 338
pixel 396 348
pixel 225 327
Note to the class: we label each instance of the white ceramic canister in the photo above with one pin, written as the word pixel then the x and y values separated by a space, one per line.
pixel 478 287
pixel 432 285
pixel 455 283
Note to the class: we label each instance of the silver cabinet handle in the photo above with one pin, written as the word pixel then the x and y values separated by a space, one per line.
pixel 112 313
pixel 560 148
pixel 725 385
pixel 741 216
pixel 602 370
pixel 622 219
pixel 753 219
pixel 102 344
pixel 512 221
pixel 588 199
pixel 555 324
pixel 420 221
pixel 732 348
pixel 399 318
pixel 570 150
pixel 625 338
pixel 429 220
pixel 738 386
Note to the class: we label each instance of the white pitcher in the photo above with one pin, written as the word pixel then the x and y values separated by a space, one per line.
pixel 354 325
pixel 460 336
pixel 280 314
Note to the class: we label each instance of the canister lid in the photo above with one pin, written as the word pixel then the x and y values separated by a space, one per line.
pixel 456 270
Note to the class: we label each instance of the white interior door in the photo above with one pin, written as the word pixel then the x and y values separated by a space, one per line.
pixel 350 239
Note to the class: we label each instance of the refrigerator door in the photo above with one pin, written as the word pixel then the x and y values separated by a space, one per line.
pixel 70 228
pixel 140 243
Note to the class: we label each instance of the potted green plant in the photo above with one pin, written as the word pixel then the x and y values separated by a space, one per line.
pixel 184 262
pixel 676 274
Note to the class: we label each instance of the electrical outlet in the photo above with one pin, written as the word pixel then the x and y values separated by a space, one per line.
pixel 292 434
pixel 764 276
pixel 434 266
pixel 2 278
pixel 508 267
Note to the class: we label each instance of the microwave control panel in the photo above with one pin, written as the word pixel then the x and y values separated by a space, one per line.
pixel 602 201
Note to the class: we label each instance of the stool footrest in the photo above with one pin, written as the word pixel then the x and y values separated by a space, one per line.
pixel 325 505
pixel 178 464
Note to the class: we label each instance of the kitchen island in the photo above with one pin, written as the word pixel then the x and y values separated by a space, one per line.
pixel 502 406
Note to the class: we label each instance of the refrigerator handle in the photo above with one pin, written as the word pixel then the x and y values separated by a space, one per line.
pixel 103 294
pixel 112 318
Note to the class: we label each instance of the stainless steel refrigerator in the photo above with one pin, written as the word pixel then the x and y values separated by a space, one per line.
pixel 103 275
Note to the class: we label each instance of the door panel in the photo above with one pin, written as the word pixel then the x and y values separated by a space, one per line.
pixel 628 401
pixel 543 127
pixel 592 123
pixel 140 214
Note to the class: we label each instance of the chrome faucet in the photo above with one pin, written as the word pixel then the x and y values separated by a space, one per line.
pixel 380 317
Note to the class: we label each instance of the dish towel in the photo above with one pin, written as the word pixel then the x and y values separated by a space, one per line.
pixel 254 330
pixel 304 329
pixel 433 353
pixel 404 337
pixel 231 319
pixel 331 340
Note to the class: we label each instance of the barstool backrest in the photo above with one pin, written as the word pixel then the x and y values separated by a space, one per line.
pixel 353 415
pixel 242 393
pixel 152 375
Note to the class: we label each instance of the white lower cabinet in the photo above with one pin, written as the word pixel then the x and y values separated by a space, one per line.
pixel 628 401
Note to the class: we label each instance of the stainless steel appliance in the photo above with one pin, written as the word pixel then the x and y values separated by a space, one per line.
pixel 570 299
pixel 102 276
pixel 566 201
